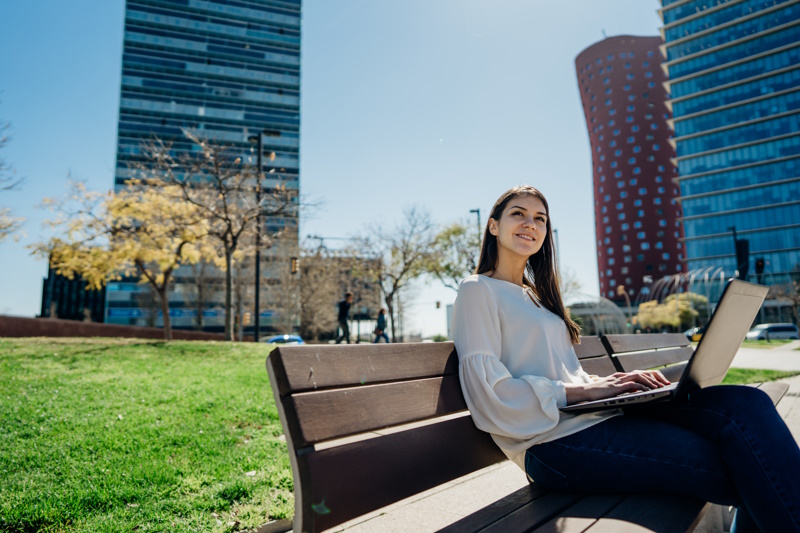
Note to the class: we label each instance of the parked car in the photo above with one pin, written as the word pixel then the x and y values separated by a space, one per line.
pixel 771 332
pixel 283 339
pixel 695 334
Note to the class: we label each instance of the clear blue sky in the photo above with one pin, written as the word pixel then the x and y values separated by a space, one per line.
pixel 442 103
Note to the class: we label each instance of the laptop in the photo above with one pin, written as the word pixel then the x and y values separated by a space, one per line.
pixel 735 312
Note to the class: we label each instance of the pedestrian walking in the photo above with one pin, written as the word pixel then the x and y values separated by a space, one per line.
pixel 344 311
pixel 380 327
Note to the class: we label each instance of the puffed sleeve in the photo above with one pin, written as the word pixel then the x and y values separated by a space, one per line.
pixel 520 407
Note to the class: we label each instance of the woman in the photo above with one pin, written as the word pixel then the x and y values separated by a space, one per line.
pixel 723 444
pixel 380 327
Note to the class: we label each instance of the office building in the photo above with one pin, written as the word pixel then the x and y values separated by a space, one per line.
pixel 225 70
pixel 734 93
pixel 636 216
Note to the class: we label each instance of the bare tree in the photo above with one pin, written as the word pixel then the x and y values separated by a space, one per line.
pixel 320 287
pixel 9 224
pixel 223 189
pixel 402 254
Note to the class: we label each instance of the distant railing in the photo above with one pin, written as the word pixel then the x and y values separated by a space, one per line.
pixel 16 326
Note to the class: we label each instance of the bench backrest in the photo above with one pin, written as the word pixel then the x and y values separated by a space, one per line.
pixel 638 352
pixel 368 425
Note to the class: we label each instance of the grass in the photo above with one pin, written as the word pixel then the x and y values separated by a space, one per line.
pixel 133 435
pixel 765 344
pixel 743 376
pixel 101 435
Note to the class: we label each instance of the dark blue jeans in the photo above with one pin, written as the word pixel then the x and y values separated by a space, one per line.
pixel 724 444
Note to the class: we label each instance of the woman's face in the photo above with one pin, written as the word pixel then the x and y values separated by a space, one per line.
pixel 522 228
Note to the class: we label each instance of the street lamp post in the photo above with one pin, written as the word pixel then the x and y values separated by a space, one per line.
pixel 258 139
pixel 477 212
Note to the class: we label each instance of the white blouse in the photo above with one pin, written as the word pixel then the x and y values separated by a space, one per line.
pixel 514 358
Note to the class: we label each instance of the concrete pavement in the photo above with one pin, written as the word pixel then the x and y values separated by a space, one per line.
pixel 448 503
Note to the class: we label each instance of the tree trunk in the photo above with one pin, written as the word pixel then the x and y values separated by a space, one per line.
pixel 390 308
pixel 228 293
pixel 162 294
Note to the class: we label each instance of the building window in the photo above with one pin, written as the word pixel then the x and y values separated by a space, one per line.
pixel 642 190
pixel 621 216
pixel 637 224
pixel 633 181
pixel 631 140
pixel 637 170
pixel 659 245
pixel 617 153
pixel 611 261
pixel 665 255
pixel 645 246
pixel 662 223
pixel 640 213
pixel 632 161
pixel 637 202
pixel 657 201
pixel 629 76
pixel 610 251
pixel 640 235
pixel 625 226
pixel 626 248
pixel 617 173
pixel 634 129
pixel 637 149
pixel 619 205
pixel 656 147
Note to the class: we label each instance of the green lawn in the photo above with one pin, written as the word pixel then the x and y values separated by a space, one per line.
pixel 743 376
pixel 765 344
pixel 137 435
pixel 134 435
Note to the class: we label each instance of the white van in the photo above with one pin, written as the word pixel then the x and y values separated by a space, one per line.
pixel 773 331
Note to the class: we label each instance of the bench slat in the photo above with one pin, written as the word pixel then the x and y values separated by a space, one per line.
pixel 313 367
pixel 600 366
pixel 535 513
pixel 590 346
pixel 775 390
pixel 488 515
pixel 582 515
pixel 616 344
pixel 340 412
pixel 660 513
pixel 653 358
pixel 354 479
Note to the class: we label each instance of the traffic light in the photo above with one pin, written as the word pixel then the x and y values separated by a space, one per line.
pixel 760 268
pixel 438 305
pixel 295 264
pixel 742 257
pixel 247 318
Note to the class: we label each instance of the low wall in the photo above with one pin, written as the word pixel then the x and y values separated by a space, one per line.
pixel 11 326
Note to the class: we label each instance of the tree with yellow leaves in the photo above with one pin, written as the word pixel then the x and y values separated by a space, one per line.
pixel 141 230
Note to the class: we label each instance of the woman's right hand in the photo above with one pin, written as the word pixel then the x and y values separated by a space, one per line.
pixel 614 385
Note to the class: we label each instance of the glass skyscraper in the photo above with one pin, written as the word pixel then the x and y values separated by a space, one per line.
pixel 225 69
pixel 734 84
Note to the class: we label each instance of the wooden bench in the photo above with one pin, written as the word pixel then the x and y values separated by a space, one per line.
pixel 370 425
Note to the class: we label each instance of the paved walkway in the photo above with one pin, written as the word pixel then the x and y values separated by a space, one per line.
pixel 446 504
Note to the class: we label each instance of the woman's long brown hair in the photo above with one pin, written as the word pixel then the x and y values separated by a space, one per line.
pixel 541 272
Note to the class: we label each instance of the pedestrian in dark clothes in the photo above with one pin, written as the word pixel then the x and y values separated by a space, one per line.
pixel 344 311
